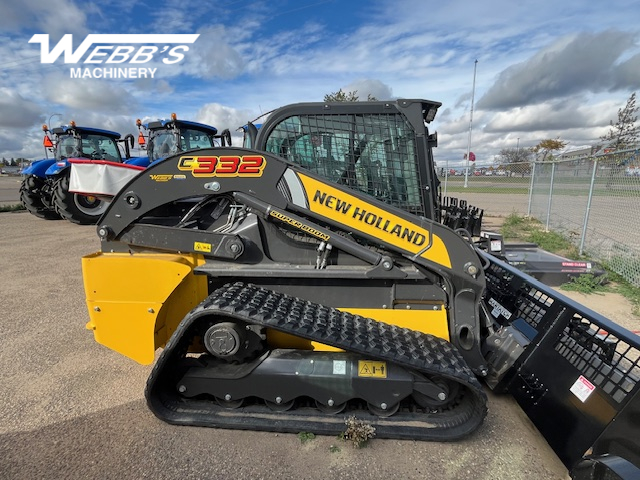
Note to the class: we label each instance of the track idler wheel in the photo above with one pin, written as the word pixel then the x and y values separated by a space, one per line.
pixel 279 406
pixel 383 410
pixel 229 402
pixel 331 408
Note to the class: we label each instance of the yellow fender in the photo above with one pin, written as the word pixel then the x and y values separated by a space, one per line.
pixel 136 301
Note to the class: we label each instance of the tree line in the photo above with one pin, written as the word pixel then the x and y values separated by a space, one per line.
pixel 13 162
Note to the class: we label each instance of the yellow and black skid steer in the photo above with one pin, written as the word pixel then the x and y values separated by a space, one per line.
pixel 307 277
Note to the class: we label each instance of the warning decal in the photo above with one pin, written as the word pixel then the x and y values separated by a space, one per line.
pixel 370 368
pixel 582 388
pixel 202 247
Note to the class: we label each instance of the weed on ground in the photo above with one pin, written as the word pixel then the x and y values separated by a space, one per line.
pixel 358 432
pixel 306 437
pixel 12 208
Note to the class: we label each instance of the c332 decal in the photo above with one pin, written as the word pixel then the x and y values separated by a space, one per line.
pixel 223 166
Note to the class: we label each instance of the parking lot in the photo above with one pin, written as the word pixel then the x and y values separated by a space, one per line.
pixel 71 408
pixel 9 189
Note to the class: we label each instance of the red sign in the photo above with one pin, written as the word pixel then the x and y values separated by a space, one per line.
pixel 472 157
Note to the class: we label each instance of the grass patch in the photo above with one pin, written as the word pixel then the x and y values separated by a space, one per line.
pixel 624 288
pixel 488 180
pixel 587 283
pixel 554 242
pixel 512 227
pixel 306 437
pixel 12 208
pixel 531 230
pixel 518 228
pixel 487 189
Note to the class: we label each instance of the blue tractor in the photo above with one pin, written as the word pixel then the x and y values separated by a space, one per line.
pixel 162 138
pixel 45 187
pixel 168 137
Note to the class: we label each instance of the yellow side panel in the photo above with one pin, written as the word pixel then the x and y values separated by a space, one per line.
pixel 433 322
pixel 135 301
pixel 371 220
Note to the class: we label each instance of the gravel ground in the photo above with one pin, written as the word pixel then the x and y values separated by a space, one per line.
pixel 70 408
pixel 10 189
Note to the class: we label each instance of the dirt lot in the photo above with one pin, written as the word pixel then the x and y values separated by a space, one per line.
pixel 9 189
pixel 70 408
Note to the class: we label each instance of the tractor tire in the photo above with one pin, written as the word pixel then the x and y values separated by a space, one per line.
pixel 31 191
pixel 80 209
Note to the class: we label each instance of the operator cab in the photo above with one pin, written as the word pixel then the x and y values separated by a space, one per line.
pixel 167 138
pixel 380 151
pixel 83 142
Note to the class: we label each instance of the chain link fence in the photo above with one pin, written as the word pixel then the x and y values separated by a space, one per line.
pixel 499 191
pixel 593 201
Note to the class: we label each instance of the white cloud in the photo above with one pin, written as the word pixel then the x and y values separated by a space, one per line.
pixel 16 111
pixel 213 56
pixel 90 94
pixel 222 117
pixel 366 87
pixel 581 63
pixel 54 17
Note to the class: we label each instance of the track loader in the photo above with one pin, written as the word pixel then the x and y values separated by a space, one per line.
pixel 309 278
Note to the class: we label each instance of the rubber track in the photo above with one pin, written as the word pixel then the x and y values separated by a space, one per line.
pixel 374 340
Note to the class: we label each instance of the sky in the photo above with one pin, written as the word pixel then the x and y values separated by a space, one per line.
pixel 545 69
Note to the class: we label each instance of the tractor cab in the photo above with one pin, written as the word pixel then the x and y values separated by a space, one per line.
pixel 168 137
pixel 71 141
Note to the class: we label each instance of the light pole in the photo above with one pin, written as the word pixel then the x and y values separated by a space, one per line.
pixel 53 115
pixel 473 92
pixel 47 134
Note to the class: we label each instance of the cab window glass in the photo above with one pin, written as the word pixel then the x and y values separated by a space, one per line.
pixel 375 154
pixel 100 147
pixel 68 147
pixel 191 139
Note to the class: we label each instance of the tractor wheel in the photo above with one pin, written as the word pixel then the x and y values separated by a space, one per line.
pixel 31 192
pixel 80 209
